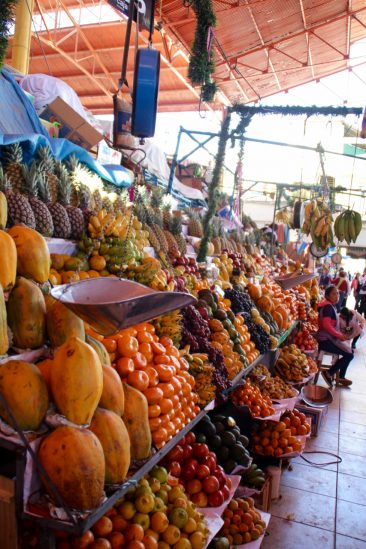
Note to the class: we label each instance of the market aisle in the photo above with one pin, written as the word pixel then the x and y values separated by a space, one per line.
pixel 325 507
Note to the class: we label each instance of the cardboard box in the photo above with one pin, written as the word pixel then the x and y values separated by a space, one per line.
pixel 8 522
pixel 317 416
pixel 72 126
pixel 262 500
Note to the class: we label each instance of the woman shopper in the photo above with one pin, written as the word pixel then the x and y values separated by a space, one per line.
pixel 355 288
pixel 351 324
pixel 341 282
pixel 331 339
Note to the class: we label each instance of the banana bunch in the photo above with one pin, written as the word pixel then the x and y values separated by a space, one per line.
pixel 348 226
pixel 202 371
pixel 253 477
pixel 318 223
pixel 284 216
pixel 170 325
pixel 292 364
pixel 103 225
pixel 149 274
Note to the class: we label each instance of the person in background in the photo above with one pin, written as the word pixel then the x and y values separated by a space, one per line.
pixel 324 279
pixel 355 288
pixel 351 324
pixel 362 294
pixel 341 282
pixel 331 339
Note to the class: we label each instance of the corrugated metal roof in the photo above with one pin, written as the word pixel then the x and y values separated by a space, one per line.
pixel 262 47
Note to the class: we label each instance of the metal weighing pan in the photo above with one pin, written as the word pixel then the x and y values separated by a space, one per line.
pixel 316 395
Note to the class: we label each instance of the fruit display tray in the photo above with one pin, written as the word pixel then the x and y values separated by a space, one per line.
pixel 111 304
pixel 294 279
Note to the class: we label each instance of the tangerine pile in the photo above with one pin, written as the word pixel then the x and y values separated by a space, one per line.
pixel 296 422
pixel 276 439
pixel 242 522
pixel 154 366
pixel 250 395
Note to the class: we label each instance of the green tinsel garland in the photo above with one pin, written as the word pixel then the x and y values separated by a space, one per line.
pixel 295 110
pixel 213 190
pixel 201 68
pixel 6 19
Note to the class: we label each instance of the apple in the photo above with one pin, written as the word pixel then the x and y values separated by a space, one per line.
pixel 190 438
pixel 187 451
pixel 189 469
pixel 199 499
pixel 203 471
pixel 210 461
pixel 210 484
pixel 216 499
pixel 225 492
pixel 176 454
pixel 200 450
pixel 174 469
pixel 193 486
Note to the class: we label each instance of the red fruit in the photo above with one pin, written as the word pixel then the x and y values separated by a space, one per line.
pixel 216 499
pixel 202 471
pixel 189 469
pixel 200 450
pixel 200 499
pixel 210 484
pixel 187 451
pixel 174 469
pixel 176 454
pixel 225 492
pixel 210 461
pixel 193 486
pixel 190 438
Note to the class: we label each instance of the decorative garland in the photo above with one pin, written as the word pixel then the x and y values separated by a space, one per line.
pixel 202 63
pixel 6 20
pixel 295 110
pixel 213 190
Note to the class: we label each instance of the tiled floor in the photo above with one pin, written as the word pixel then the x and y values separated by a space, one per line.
pixel 325 507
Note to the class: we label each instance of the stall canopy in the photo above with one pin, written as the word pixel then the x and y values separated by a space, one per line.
pixel 262 47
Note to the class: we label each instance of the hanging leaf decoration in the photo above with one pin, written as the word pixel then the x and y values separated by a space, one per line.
pixel 7 8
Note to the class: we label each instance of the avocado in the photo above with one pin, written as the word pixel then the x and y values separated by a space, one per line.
pixel 219 417
pixel 227 438
pixel 214 442
pixel 243 440
pixel 220 427
pixel 237 452
pixel 229 465
pixel 222 454
pixel 221 314
pixel 200 437
pixel 227 324
pixel 207 428
pixel 230 315
pixel 230 422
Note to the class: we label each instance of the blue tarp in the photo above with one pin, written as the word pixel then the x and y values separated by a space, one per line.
pixel 19 122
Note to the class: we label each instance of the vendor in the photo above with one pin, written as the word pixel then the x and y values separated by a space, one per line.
pixel 331 339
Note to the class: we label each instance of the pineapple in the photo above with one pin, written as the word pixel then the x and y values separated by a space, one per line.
pixel 140 211
pixel 61 222
pixel 119 205
pixel 85 200
pixel 75 215
pixel 167 216
pixel 172 244
pixel 13 159
pixel 47 166
pixel 194 226
pixel 33 180
pixel 176 230
pixel 106 202
pixel 19 209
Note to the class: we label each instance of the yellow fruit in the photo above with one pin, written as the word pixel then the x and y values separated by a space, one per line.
pixel 113 436
pixel 62 324
pixel 24 389
pixel 183 543
pixel 8 263
pixel 145 503
pixel 127 510
pixel 176 492
pixel 73 459
pixel 72 264
pixel 27 315
pixel 178 517
pixel 69 276
pixel 113 397
pixel 32 251
pixel 191 526
pixel 3 210
pixel 198 540
pixel 136 419
pixel 97 262
pixel 100 349
pixel 163 545
pixel 159 522
pixel 57 261
pixel 77 381
pixel 55 278
pixel 171 535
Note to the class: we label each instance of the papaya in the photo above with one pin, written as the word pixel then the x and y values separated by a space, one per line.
pixel 4 338
pixel 24 389
pixel 33 255
pixel 27 315
pixel 100 349
pixel 8 263
pixel 76 380
pixel 3 210
pixel 115 441
pixel 136 419
pixel 113 397
pixel 45 368
pixel 63 324
pixel 74 461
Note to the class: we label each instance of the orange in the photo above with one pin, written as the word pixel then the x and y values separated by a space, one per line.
pixel 154 423
pixel 171 535
pixel 153 376
pixel 138 379
pixel 154 395
pixel 97 262
pixel 93 274
pixel 134 532
pixel 69 276
pixel 119 523
pixel 125 366
pixel 166 341
pixel 167 388
pixel 150 542
pixel 158 348
pixel 110 344
pixel 165 373
pixel 160 436
pixel 140 361
pixel 134 544
pixel 144 337
pixel 154 410
pixel 128 345
pixel 116 539
pixel 81 542
pixel 102 527
pixel 166 405
pixel 159 522
pixel 146 350
pixel 162 359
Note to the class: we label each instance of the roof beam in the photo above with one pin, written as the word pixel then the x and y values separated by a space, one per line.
pixel 82 53
pixel 307 38
pixel 101 75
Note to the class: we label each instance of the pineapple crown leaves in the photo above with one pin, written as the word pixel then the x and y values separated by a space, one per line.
pixel 43 190
pixel 46 158
pixel 4 180
pixel 64 188
pixel 156 199
pixel 84 196
pixel 33 178
pixel 176 225
pixel 13 154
